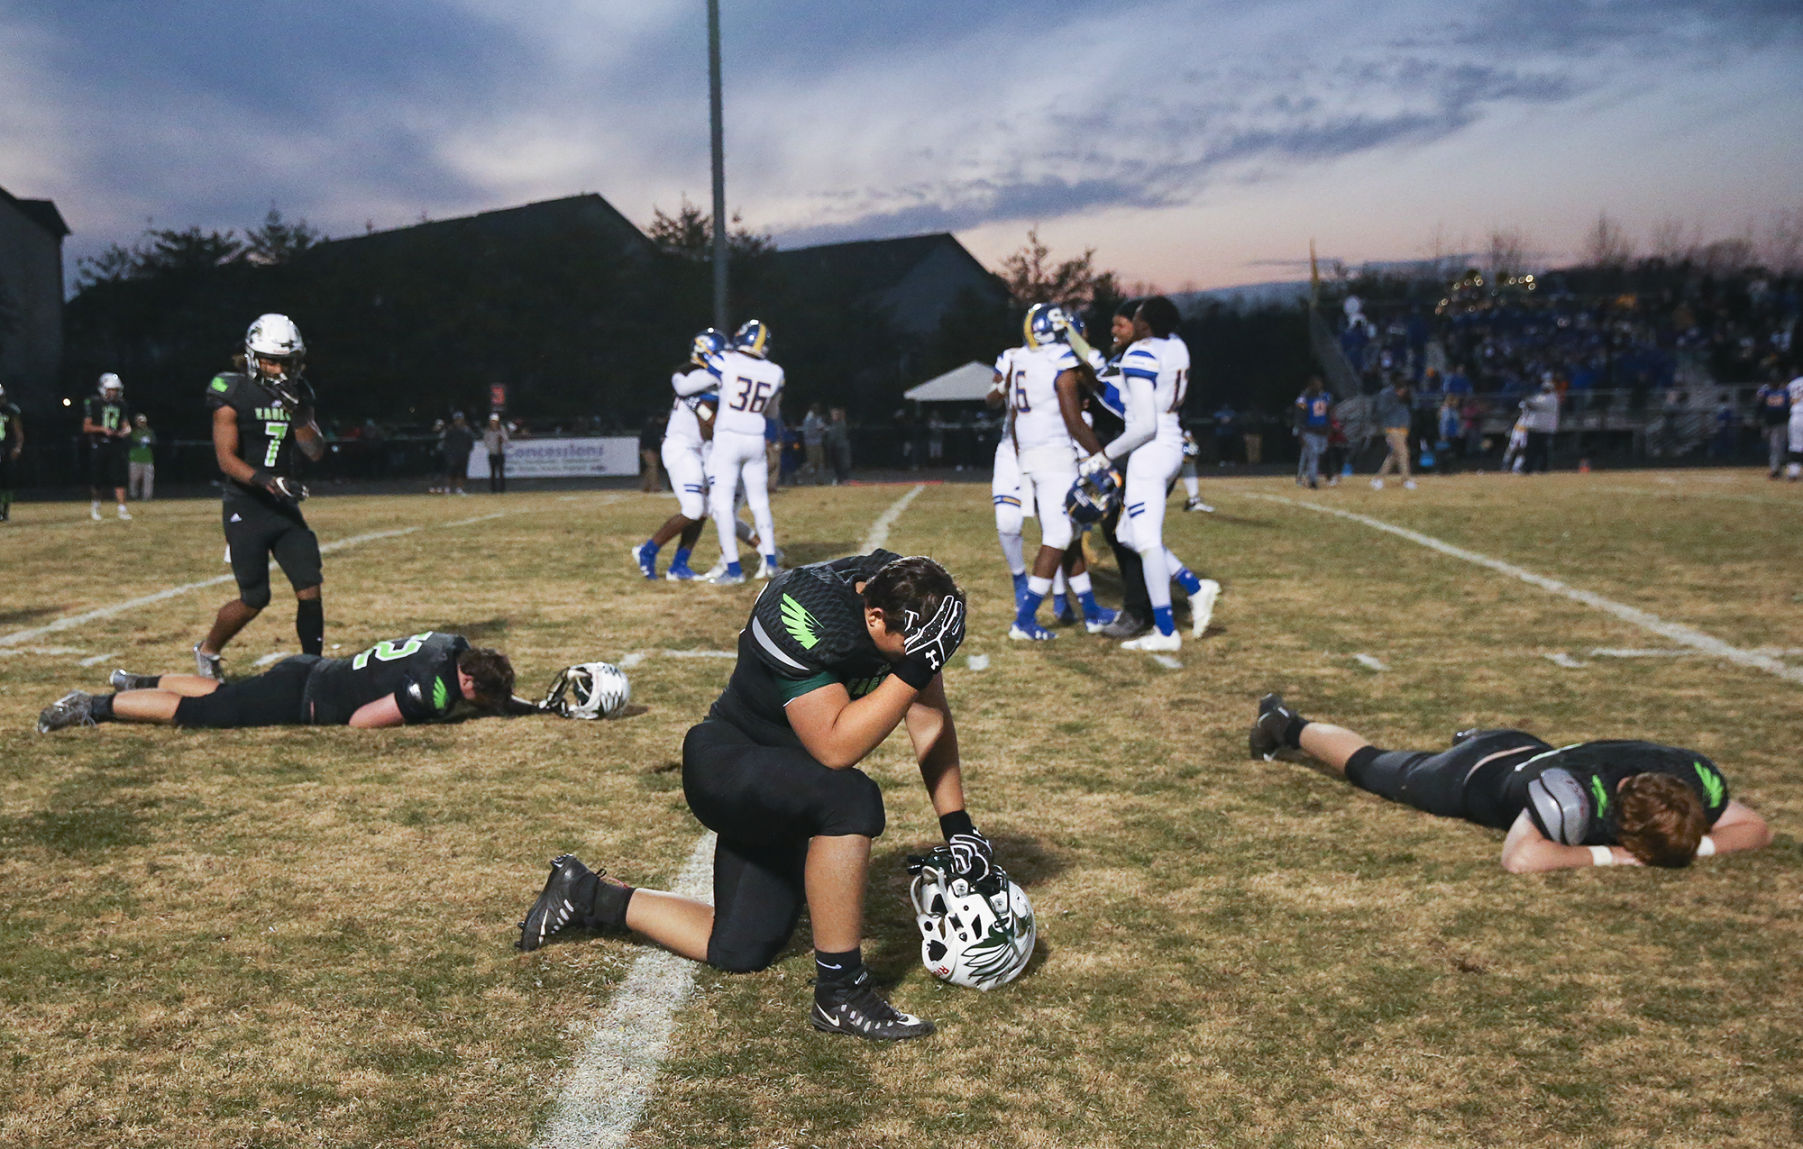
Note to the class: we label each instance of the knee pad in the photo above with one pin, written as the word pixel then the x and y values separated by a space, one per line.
pixel 851 804
pixel 1008 517
pixel 255 597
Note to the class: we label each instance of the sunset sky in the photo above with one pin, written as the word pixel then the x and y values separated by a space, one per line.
pixel 1192 144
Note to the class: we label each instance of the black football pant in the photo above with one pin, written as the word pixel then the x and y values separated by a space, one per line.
pixel 1134 598
pixel 1454 783
pixel 766 803
pixel 277 697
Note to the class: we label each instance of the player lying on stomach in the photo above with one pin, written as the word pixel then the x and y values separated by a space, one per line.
pixel 1606 803
pixel 421 678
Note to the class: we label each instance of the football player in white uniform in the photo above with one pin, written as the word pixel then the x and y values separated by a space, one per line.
pixel 750 387
pixel 1154 380
pixel 1040 371
pixel 1795 387
pixel 686 443
pixel 1011 508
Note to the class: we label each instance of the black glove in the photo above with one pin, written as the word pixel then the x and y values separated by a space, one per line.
pixel 931 644
pixel 293 490
pixel 295 394
pixel 973 858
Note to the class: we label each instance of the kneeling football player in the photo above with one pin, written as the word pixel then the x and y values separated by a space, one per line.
pixel 1605 803
pixel 834 657
pixel 421 678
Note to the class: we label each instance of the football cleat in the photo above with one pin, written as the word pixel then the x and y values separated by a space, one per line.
pixel 125 680
pixel 1198 505
pixel 1152 642
pixel 646 560
pixel 1104 618
pixel 680 572
pixel 728 577
pixel 208 665
pixel 1274 717
pixel 1030 632
pixel 1202 606
pixel 1125 625
pixel 72 709
pixel 574 896
pixel 94 512
pixel 859 1010
pixel 124 515
pixel 768 570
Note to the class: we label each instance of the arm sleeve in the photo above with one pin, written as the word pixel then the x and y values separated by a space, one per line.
pixel 1142 420
pixel 423 701
pixel 693 382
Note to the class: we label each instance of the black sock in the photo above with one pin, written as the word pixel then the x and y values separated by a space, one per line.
pixel 607 905
pixel 838 968
pixel 1292 731
pixel 101 709
pixel 142 681
pixel 310 625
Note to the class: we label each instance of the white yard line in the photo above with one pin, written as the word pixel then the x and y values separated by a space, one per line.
pixel 600 1104
pixel 1560 658
pixel 97 659
pixel 1371 662
pixel 1645 620
pixel 70 622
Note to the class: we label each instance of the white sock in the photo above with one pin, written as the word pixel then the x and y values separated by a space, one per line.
pixel 1014 552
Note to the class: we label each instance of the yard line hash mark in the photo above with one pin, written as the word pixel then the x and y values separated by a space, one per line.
pixel 600 1105
pixel 1645 620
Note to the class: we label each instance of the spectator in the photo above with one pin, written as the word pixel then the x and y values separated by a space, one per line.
pixel 651 444
pixel 838 445
pixel 495 440
pixel 1393 415
pixel 1773 401
pixel 1224 419
pixel 935 439
pixel 813 438
pixel 1540 419
pixel 142 460
pixel 773 449
pixel 1314 413
pixel 459 441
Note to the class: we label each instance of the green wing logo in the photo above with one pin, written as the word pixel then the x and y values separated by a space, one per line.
pixel 1602 794
pixel 1712 784
pixel 219 384
pixel 803 627
pixel 441 694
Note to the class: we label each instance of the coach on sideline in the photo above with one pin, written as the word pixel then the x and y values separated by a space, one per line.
pixel 1608 803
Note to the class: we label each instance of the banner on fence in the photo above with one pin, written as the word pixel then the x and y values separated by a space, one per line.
pixel 562 458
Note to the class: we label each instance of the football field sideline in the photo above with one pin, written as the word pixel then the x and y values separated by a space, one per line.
pixel 611 1079
pixel 1677 632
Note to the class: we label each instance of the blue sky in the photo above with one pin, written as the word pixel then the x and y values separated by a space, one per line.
pixel 1190 143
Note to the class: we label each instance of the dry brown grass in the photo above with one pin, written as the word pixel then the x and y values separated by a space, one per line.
pixel 303 937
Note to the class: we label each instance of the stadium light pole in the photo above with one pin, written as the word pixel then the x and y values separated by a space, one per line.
pixel 719 149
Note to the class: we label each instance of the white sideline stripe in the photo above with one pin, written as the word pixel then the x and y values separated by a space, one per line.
pixel 1370 662
pixel 1560 658
pixel 97 659
pixel 69 622
pixel 40 650
pixel 1645 620
pixel 1668 652
pixel 601 1102
pixel 612 1077
pixel 701 654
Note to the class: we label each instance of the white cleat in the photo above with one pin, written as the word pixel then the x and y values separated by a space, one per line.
pixel 1155 643
pixel 1377 484
pixel 124 515
pixel 1408 484
pixel 1202 606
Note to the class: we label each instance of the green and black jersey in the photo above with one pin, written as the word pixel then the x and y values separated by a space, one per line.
pixel 9 422
pixel 423 667
pixel 265 438
pixel 806 631
pixel 108 414
pixel 1599 767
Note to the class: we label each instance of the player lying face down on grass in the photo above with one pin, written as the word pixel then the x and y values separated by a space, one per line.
pixel 1607 803
pixel 420 678
pixel 834 657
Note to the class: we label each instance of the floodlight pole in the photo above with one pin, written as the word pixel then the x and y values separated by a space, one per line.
pixel 719 149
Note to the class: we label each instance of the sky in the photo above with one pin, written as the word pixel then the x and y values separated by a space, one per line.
pixel 1190 143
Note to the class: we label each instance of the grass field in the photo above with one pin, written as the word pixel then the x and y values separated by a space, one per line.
pixel 304 937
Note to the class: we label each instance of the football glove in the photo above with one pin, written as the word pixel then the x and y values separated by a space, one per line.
pixel 1096 464
pixel 294 394
pixel 292 490
pixel 930 645
pixel 973 858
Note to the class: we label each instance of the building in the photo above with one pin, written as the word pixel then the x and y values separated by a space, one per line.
pixel 915 281
pixel 31 296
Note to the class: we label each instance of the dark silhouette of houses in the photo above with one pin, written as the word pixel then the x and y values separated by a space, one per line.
pixel 31 296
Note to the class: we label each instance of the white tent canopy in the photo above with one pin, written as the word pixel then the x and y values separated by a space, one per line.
pixel 960 385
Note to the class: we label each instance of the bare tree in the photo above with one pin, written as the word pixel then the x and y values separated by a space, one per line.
pixel 1725 256
pixel 1606 244
pixel 1507 254
pixel 1782 250
pixel 1673 242
pixel 1033 276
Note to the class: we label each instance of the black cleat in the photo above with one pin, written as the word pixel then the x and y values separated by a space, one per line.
pixel 1126 624
pixel 1461 736
pixel 859 1010
pixel 1274 717
pixel 125 680
pixel 72 709
pixel 574 896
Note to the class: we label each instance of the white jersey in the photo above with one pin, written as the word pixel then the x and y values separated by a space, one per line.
pixel 1162 366
pixel 1795 389
pixel 683 426
pixel 1033 396
pixel 747 386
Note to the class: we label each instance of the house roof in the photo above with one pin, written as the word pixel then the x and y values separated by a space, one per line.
pixel 544 217
pixel 915 278
pixel 39 211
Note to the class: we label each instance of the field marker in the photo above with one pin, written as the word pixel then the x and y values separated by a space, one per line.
pixel 69 622
pixel 1560 658
pixel 613 1075
pixel 1646 620
pixel 1370 662
pixel 97 659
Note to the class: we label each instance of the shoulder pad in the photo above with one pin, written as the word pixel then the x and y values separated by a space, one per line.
pixel 805 621
pixel 1560 806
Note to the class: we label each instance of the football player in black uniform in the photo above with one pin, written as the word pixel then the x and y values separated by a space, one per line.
pixel 420 678
pixel 12 442
pixel 835 655
pixel 260 416
pixel 106 425
pixel 1588 804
